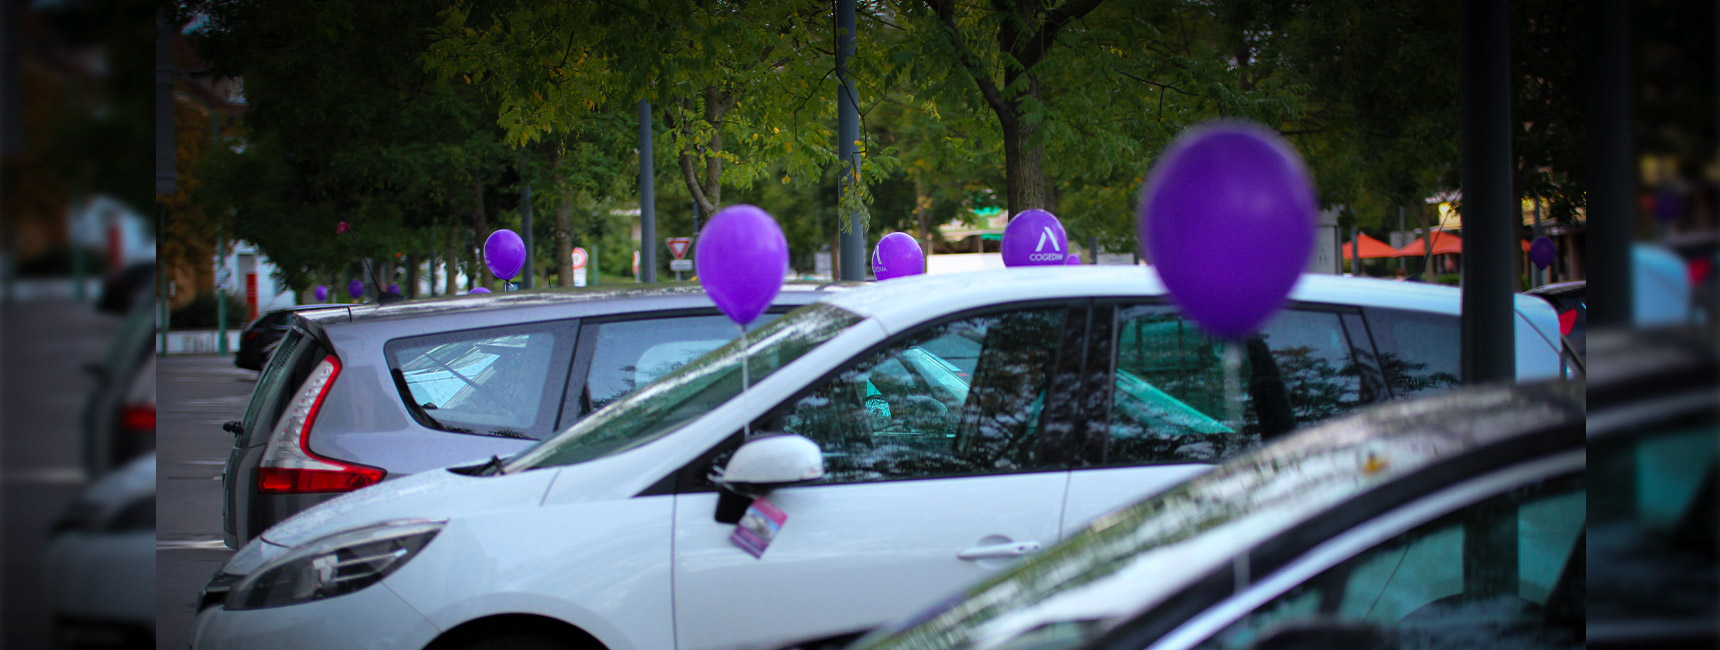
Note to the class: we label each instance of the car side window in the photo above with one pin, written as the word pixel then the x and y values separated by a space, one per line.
pixel 1420 353
pixel 1652 547
pixel 504 381
pixel 1168 393
pixel 629 354
pixel 1505 572
pixel 906 411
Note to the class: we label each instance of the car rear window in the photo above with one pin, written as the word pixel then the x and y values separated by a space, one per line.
pixel 501 381
pixel 629 354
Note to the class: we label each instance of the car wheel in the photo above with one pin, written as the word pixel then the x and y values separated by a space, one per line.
pixel 518 641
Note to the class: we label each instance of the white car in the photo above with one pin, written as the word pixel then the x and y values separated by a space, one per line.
pixel 100 562
pixel 955 423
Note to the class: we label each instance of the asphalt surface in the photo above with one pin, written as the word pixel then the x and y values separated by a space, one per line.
pixel 44 347
pixel 196 394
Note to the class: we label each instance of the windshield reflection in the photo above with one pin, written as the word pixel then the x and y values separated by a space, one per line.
pixel 691 391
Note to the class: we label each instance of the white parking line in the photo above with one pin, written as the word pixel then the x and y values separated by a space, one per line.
pixel 45 476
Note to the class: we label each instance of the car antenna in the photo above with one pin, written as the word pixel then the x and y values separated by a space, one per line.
pixel 383 296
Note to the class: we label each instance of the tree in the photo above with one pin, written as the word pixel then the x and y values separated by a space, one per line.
pixel 344 126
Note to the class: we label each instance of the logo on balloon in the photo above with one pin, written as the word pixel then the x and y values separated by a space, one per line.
pixel 1228 217
pixel 898 254
pixel 1026 237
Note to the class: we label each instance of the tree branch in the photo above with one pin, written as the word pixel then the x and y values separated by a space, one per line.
pixel 1034 49
pixel 945 9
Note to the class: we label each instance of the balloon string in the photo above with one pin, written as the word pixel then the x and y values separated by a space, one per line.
pixel 1233 385
pixel 746 426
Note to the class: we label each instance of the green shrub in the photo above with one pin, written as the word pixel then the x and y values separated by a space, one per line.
pixel 200 314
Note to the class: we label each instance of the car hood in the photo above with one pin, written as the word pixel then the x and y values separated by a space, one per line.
pixel 436 494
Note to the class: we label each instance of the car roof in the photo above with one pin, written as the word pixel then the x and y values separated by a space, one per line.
pixel 902 302
pixel 481 310
pixel 1560 289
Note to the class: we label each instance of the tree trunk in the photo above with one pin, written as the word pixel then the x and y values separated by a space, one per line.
pixel 451 259
pixel 923 216
pixel 410 290
pixel 480 230
pixel 563 225
pixel 1024 164
pixel 707 191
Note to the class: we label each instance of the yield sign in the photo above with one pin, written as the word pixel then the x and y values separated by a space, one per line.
pixel 678 246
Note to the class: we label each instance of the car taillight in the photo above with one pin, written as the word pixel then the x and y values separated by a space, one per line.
pixel 138 418
pixel 251 334
pixel 288 466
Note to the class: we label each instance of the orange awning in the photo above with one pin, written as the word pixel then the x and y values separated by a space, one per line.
pixel 1371 248
pixel 1443 244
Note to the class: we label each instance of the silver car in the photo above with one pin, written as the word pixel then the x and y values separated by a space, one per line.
pixel 359 394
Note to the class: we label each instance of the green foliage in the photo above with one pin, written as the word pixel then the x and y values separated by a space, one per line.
pixel 200 313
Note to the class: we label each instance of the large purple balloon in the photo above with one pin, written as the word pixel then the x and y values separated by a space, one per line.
pixel 1072 260
pixel 898 255
pixel 1228 217
pixel 321 292
pixel 1034 238
pixel 505 253
pixel 479 290
pixel 741 258
pixel 355 289
pixel 1541 252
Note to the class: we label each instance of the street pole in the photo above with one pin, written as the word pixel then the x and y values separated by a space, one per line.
pixel 526 221
pixel 647 200
pixel 853 238
pixel 1611 165
pixel 1488 274
pixel 220 293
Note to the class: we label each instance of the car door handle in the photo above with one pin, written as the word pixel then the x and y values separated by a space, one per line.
pixel 1006 549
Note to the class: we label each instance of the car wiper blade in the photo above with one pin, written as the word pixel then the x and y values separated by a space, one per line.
pixel 504 433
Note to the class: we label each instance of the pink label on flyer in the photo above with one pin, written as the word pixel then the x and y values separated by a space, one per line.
pixel 758 527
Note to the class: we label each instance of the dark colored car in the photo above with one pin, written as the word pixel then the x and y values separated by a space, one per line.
pixel 1525 516
pixel 1570 299
pixel 119 413
pixel 260 338
pixel 367 392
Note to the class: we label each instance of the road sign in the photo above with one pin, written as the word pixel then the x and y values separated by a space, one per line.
pixel 579 258
pixel 678 246
pixel 680 265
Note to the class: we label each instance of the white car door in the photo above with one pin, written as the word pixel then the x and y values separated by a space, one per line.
pixel 927 487
pixel 1169 407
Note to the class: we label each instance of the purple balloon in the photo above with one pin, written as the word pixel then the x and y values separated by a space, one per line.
pixel 321 292
pixel 1541 252
pixel 1668 205
pixel 505 253
pixel 478 290
pixel 355 289
pixel 394 288
pixel 1072 260
pixel 898 255
pixel 1034 238
pixel 741 258
pixel 1228 217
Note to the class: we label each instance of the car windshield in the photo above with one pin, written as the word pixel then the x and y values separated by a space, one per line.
pixel 691 391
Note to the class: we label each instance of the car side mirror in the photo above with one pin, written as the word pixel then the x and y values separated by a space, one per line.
pixel 761 465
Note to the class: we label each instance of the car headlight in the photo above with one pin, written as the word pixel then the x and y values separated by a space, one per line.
pixel 337 564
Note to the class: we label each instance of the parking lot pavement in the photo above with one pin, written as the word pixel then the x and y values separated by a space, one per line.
pixel 196 394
